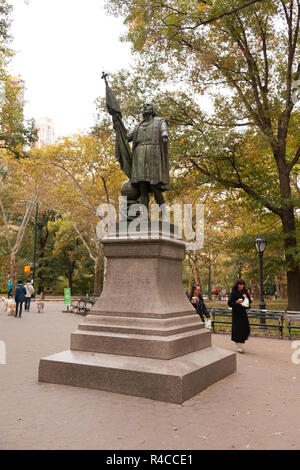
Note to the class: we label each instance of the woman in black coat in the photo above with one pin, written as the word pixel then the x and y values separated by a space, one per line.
pixel 240 323
pixel 197 301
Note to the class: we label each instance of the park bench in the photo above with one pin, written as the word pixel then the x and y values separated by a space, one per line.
pixel 293 321
pixel 268 319
pixel 82 305
pixel 223 312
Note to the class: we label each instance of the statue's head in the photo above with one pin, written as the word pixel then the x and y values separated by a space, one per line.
pixel 149 108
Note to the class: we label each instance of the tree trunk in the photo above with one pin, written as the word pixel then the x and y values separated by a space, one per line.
pixel 12 267
pixel 97 288
pixel 284 290
pixel 104 268
pixel 69 274
pixel 43 235
pixel 277 284
pixel 290 247
pixel 254 290
pixel 196 276
pixel 199 274
pixel 280 282
pixel 190 279
pixel 289 229
pixel 70 280
pixel 40 278
pixel 101 267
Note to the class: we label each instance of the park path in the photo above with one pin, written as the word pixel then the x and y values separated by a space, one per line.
pixel 256 408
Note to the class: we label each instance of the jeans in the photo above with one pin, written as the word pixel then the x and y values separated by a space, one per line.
pixel 19 306
pixel 27 303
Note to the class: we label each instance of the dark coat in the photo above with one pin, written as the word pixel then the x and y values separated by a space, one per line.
pixel 240 322
pixel 200 307
pixel 20 293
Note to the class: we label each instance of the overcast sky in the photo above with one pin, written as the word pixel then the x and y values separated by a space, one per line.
pixel 62 47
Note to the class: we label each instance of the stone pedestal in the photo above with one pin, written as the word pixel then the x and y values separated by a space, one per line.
pixel 143 337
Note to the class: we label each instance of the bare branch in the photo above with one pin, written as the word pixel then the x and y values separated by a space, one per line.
pixel 227 13
pixel 93 258
pixel 21 232
pixel 294 161
pixel 6 225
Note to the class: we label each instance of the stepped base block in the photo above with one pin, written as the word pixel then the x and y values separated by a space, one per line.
pixel 157 347
pixel 174 380
pixel 143 337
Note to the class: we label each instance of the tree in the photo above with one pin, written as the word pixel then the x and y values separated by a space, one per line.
pixel 249 62
pixel 67 248
pixel 15 134
pixel 47 271
pixel 17 193
pixel 82 173
pixel 164 12
pixel 5 38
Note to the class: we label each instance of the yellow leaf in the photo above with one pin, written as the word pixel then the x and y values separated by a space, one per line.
pixel 202 7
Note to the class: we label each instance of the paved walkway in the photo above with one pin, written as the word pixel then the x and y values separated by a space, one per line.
pixel 256 408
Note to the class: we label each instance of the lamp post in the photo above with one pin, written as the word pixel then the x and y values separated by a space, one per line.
pixel 35 239
pixel 36 204
pixel 260 245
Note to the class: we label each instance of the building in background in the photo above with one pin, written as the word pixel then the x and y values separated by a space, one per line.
pixel 46 132
pixel 17 82
pixel 12 90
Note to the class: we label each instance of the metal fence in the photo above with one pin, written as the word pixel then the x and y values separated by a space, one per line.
pixel 287 323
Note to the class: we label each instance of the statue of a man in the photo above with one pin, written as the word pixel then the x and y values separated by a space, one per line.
pixel 150 161
pixel 147 163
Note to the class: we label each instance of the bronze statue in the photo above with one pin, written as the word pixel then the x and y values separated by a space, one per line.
pixel 150 162
pixel 147 164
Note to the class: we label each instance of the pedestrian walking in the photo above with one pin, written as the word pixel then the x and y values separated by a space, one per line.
pixel 29 293
pixel 197 301
pixel 9 289
pixel 240 323
pixel 19 298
